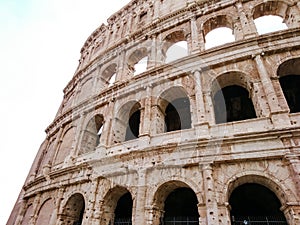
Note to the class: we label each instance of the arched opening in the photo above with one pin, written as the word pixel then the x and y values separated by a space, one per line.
pixel 46 213
pixel 219 36
pixel 177 115
pixel 91 135
pixel 253 203
pixel 73 210
pixel 176 51
pixel 140 66
pixel 112 80
pixel 133 126
pixel 217 31
pixel 290 86
pixel 175 46
pixel 289 79
pixel 127 122
pixel 123 211
pixel 27 216
pixel 109 75
pixel 173 111
pixel 232 103
pixel 137 62
pixel 66 145
pixel 268 16
pixel 267 24
pixel 180 207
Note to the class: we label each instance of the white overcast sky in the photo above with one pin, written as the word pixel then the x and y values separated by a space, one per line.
pixel 40 42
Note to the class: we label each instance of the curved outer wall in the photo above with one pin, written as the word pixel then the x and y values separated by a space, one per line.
pixel 210 158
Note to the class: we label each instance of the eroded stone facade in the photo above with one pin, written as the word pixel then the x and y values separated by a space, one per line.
pixel 115 139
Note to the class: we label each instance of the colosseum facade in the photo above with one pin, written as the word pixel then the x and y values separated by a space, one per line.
pixel 209 137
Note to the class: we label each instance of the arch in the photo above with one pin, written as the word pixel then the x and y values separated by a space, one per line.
pixel 109 74
pixel 221 24
pixel 85 90
pixel 91 134
pixel 66 145
pixel 269 16
pixel 46 212
pixel 73 210
pixel 174 46
pixel 263 197
pixel 28 214
pixel 127 122
pixel 115 201
pixel 231 98
pixel 137 61
pixel 178 201
pixel 289 79
pixel 175 113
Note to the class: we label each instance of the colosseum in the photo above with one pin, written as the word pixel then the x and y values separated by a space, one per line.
pixel 206 136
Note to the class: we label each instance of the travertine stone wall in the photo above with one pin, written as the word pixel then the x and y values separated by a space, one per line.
pixel 76 164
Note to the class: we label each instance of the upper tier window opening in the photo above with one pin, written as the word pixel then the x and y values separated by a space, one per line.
pixel 268 24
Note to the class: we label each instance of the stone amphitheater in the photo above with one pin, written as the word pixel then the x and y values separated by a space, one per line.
pixel 210 136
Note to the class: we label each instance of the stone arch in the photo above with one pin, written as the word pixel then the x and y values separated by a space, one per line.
pixel 171 40
pixel 91 134
pixel 289 79
pixel 66 144
pixel 231 93
pixel 110 204
pixel 165 197
pixel 271 8
pixel 175 110
pixel 260 184
pixel 85 89
pixel 137 57
pixel 216 22
pixel 27 217
pixel 108 75
pixel 46 213
pixel 73 210
pixel 127 122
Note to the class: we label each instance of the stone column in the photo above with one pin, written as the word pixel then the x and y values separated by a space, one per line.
pixel 293 161
pixel 35 211
pixel 55 146
pixel 121 69
pixel 278 116
pixel 78 137
pixel 201 123
pixel 248 25
pixel 153 57
pixel 202 214
pixel 212 216
pixel 201 39
pixel 107 129
pixel 156 10
pixel 256 94
pixel 195 42
pixel 90 207
pixel 209 107
pixel 154 215
pixel 140 198
pixel 145 114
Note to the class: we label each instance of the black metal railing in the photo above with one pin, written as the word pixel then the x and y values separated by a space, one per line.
pixel 123 221
pixel 181 221
pixel 258 220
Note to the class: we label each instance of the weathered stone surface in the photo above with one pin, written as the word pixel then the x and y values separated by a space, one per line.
pixel 110 138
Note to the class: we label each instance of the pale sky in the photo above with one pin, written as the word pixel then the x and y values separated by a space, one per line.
pixel 40 44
